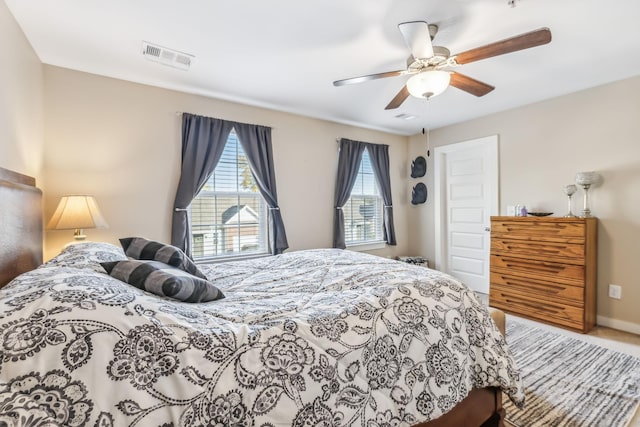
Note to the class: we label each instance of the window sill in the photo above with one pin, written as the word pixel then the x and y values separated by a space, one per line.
pixel 230 258
pixel 368 246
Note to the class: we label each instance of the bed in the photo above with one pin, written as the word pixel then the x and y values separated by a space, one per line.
pixel 318 337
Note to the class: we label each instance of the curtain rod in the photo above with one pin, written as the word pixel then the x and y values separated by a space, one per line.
pixel 178 113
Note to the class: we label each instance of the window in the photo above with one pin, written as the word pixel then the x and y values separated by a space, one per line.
pixel 229 216
pixel 363 210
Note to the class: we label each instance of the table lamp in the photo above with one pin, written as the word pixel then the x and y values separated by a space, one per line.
pixel 77 212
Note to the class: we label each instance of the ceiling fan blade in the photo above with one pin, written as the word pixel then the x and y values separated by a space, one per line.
pixel 416 36
pixel 398 99
pixel 467 84
pixel 513 44
pixel 366 78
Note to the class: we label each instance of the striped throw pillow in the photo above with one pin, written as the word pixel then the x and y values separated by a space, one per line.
pixel 163 280
pixel 141 248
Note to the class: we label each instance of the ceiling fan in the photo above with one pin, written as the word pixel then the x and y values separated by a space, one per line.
pixel 428 64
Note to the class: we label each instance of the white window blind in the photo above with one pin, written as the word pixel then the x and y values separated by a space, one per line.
pixel 229 216
pixel 363 210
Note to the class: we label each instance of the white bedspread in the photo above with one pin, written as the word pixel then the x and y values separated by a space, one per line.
pixel 319 337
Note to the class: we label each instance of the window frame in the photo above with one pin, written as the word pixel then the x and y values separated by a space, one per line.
pixel 262 222
pixel 377 242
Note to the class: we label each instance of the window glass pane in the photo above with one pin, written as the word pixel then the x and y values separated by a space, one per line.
pixel 369 184
pixel 229 216
pixel 357 187
pixel 363 210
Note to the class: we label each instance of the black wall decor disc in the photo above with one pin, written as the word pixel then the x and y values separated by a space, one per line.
pixel 418 167
pixel 419 194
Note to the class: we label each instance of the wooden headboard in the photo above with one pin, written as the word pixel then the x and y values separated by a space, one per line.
pixel 20 225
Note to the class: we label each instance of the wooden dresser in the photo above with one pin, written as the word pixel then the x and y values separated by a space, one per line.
pixel 545 269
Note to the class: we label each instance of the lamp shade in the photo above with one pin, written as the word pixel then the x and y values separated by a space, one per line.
pixel 77 212
pixel 587 178
pixel 428 83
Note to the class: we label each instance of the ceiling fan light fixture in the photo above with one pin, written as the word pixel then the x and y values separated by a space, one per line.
pixel 428 83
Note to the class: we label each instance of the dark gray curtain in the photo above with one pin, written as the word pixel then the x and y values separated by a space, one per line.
pixel 203 140
pixel 379 155
pixel 256 141
pixel 348 165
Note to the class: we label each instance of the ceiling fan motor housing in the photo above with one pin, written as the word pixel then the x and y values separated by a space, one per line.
pixel 439 59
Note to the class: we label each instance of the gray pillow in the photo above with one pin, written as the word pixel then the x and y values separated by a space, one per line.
pixel 163 280
pixel 141 248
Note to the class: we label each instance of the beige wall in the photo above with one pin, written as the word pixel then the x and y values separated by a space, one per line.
pixel 120 141
pixel 541 147
pixel 21 82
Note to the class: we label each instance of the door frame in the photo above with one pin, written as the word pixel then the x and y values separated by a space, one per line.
pixel 491 144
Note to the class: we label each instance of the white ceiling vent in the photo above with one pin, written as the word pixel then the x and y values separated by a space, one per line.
pixel 166 56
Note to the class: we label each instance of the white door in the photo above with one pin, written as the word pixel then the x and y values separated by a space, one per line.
pixel 466 186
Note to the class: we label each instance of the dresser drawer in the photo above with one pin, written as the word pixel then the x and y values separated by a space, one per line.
pixel 549 250
pixel 536 229
pixel 537 308
pixel 536 287
pixel 539 267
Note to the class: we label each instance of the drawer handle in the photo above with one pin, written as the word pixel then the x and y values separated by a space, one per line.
pixel 538 248
pixel 547 289
pixel 544 308
pixel 553 268
pixel 532 305
pixel 533 229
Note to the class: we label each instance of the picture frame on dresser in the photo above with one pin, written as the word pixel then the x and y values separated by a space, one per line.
pixel 544 269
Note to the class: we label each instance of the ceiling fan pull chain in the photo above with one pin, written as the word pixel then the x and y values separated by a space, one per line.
pixel 428 141
pixel 428 146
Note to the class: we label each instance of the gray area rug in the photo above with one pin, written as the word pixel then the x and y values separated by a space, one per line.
pixel 569 382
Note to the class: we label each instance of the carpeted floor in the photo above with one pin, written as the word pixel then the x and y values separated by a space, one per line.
pixel 569 382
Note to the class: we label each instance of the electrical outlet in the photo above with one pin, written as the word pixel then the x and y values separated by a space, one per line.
pixel 615 291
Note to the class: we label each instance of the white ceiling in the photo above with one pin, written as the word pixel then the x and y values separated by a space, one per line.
pixel 285 54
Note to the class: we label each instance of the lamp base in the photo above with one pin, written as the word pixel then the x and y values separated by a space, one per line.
pixel 78 235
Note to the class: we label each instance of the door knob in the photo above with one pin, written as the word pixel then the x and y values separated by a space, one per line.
pixel 487 229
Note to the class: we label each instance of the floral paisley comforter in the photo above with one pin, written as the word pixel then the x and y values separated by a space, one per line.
pixel 319 337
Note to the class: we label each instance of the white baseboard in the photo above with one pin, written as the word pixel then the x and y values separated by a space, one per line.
pixel 620 325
